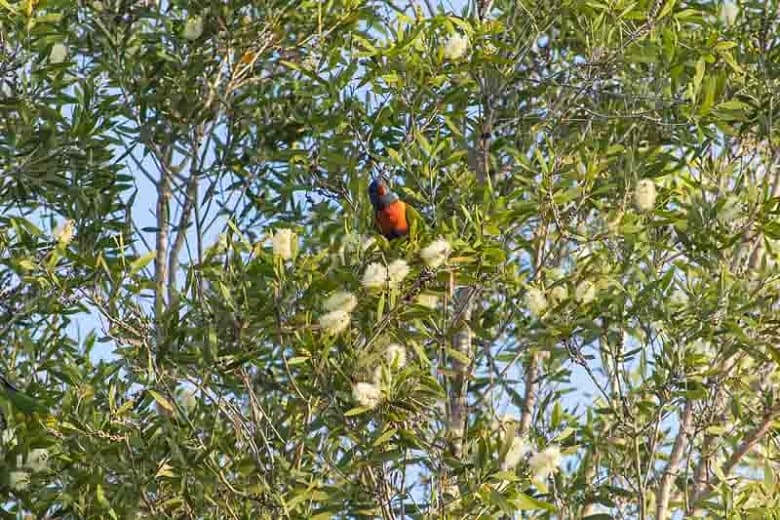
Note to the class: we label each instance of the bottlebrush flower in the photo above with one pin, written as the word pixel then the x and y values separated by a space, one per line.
pixel 367 394
pixel 375 276
pixel 517 450
pixel 193 28
pixel 545 463
pixel 340 301
pixel 585 292
pixel 535 301
pixel 37 460
pixel 455 47
pixel 436 253
pixel 395 355
pixel 334 322
pixel 397 271
pixel 283 243
pixel 645 194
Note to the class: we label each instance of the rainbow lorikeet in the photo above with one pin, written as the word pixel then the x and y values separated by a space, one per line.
pixel 394 217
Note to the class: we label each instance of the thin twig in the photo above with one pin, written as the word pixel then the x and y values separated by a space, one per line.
pixel 184 220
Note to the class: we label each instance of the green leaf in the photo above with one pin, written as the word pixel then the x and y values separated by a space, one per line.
pixel 458 356
pixel 724 46
pixel 733 104
pixel 498 499
pixel 729 59
pixel 141 262
pixel 701 65
pixel 386 436
pixel 356 411
pixel 666 9
pixel 162 401
pixel 557 415
pixel 524 502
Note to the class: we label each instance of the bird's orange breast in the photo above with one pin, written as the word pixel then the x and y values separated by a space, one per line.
pixel 392 220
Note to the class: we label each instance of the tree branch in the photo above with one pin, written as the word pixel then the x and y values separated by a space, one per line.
pixel 531 382
pixel 184 220
pixel 163 221
pixel 670 472
pixel 751 439
pixel 531 391
pixel 461 343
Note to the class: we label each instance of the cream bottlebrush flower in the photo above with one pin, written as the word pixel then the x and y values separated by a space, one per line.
pixel 8 438
pixel 678 298
pixel 367 394
pixel 730 211
pixel 645 194
pixel 535 301
pixel 367 244
pixel 63 234
pixel 282 242
pixel 517 450
pixel 193 28
pixel 728 12
pixel 375 276
pixel 559 294
pixel 350 244
pixel 427 300
pixel 436 253
pixel 545 463
pixel 18 480
pixel 489 49
pixel 395 355
pixel 503 424
pixel 58 53
pixel 397 271
pixel 456 46
pixel 382 376
pixel 585 292
pixel 340 301
pixel 334 322
pixel 37 460
pixel 543 355
pixel 703 348
pixel 187 400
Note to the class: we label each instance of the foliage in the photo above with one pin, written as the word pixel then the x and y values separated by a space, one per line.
pixel 600 340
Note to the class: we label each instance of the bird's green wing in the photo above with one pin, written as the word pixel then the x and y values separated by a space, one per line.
pixel 415 221
pixel 19 400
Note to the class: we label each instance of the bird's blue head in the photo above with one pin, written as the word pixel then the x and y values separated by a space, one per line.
pixel 380 194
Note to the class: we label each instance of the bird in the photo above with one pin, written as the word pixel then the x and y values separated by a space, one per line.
pixel 393 217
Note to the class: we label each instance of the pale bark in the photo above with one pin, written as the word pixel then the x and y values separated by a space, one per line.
pixel 461 343
pixel 672 466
